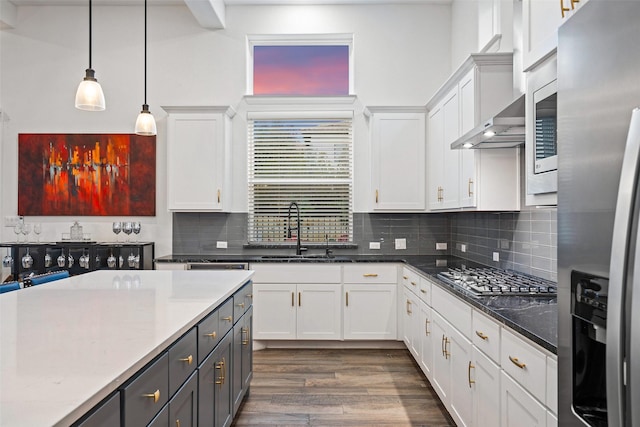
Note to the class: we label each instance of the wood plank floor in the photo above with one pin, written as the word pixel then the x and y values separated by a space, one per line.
pixel 345 387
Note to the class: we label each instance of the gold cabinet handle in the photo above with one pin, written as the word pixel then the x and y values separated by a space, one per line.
pixel 155 395
pixel 223 372
pixel 426 327
pixel 228 319
pixel 414 283
pixel 446 352
pixel 482 336
pixel 469 374
pixel 442 344
pixel 177 423
pixel 370 275
pixel 293 299
pixel 518 363
pixel 405 277
pixel 423 291
pixel 376 196
pixel 469 184
pixel 189 359
pixel 573 2
pixel 218 196
pixel 299 299
pixel 245 341
pixel 347 298
pixel 409 307
pixel 250 296
pixel 211 335
pixel 241 305
pixel 563 9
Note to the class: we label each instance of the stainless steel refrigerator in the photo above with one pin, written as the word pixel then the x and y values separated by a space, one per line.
pixel 599 215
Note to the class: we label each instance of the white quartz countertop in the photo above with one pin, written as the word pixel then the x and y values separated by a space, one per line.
pixel 65 345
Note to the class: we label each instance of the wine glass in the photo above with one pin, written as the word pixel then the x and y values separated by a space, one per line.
pixel 7 261
pixel 117 228
pixel 127 228
pixel 17 229
pixel 137 227
pixel 26 229
pixel 27 260
pixel 37 229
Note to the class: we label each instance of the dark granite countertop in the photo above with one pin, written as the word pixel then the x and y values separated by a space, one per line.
pixel 533 317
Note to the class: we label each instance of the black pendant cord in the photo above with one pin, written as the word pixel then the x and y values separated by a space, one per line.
pixel 90 32
pixel 145 52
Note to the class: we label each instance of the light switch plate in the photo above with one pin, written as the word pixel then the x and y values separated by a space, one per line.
pixel 441 246
pixel 401 244
pixel 221 245
pixel 463 248
pixel 496 256
pixel 374 245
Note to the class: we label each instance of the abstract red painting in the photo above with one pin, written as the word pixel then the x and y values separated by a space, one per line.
pixel 86 175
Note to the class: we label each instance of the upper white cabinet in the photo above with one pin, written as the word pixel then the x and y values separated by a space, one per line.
pixel 472 179
pixel 397 158
pixel 495 25
pixel 198 158
pixel 540 22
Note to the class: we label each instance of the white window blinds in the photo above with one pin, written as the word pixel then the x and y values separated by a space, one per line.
pixel 304 160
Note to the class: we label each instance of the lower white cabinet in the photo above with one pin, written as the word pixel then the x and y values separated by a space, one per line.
pixel 410 323
pixel 519 408
pixel 370 311
pixel 427 340
pixel 303 311
pixel 484 381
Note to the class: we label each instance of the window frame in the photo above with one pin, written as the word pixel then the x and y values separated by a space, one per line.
pixel 297 40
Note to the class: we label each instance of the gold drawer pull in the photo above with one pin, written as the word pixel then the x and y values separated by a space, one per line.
pixel 446 352
pixel 376 196
pixel 426 327
pixel 414 283
pixel 423 291
pixel 177 423
pixel 347 296
pixel 293 298
pixel 469 374
pixel 250 296
pixel 218 196
pixel 228 319
pixel 469 192
pixel 211 335
pixel 516 362
pixel 370 275
pixel 482 336
pixel 409 311
pixel 245 341
pixel 241 305
pixel 189 359
pixel 155 395
pixel 405 277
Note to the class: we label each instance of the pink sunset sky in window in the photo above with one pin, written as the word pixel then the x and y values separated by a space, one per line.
pixel 301 70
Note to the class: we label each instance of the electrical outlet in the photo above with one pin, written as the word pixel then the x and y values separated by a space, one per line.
pixel 401 244
pixel 374 245
pixel 463 248
pixel 11 220
pixel 496 256
pixel 441 246
pixel 221 245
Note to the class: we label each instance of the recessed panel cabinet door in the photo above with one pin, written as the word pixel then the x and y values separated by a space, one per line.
pixel 275 311
pixel 319 312
pixel 398 166
pixel 486 390
pixel 370 311
pixel 183 408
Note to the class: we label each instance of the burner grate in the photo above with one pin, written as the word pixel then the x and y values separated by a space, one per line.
pixel 494 281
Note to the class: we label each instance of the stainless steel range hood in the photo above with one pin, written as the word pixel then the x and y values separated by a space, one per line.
pixel 504 130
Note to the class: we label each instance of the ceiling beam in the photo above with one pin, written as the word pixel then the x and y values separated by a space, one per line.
pixel 209 13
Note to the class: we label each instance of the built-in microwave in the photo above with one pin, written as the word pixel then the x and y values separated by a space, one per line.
pixel 541 142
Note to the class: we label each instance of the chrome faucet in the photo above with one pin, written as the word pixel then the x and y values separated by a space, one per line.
pixel 297 228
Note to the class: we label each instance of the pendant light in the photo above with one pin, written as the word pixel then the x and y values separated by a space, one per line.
pixel 89 95
pixel 145 124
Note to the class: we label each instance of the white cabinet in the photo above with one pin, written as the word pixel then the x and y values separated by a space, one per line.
pixel 540 22
pixel 297 302
pixel 484 381
pixel 170 266
pixel 495 25
pixel 198 158
pixel 370 311
pixel 398 158
pixel 471 179
pixel 297 311
pixel 427 339
pixel 519 408
pixel 411 327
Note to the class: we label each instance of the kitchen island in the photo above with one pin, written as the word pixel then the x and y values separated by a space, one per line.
pixel 68 345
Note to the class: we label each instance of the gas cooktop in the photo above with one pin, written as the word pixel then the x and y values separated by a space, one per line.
pixel 494 281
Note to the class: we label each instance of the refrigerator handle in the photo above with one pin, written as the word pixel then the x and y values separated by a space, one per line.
pixel 624 217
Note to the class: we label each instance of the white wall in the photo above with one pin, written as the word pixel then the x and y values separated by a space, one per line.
pixel 402 55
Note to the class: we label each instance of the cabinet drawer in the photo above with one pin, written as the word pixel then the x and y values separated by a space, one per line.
pixel 107 414
pixel 296 273
pixel 226 319
pixel 410 279
pixel 451 308
pixel 147 393
pixel 485 335
pixel 371 273
pixel 524 363
pixel 208 335
pixel 183 359
pixel 425 290
pixel 242 300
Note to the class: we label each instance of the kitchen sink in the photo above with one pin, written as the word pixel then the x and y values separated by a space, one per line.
pixel 307 258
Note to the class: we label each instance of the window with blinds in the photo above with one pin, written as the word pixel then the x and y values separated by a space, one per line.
pixel 304 160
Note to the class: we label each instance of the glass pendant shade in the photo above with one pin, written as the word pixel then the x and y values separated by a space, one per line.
pixel 89 95
pixel 145 123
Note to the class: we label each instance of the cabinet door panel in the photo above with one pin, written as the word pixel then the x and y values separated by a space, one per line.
pixel 182 360
pixel 426 340
pixel 223 394
pixel 370 311
pixel 486 390
pixel 319 312
pixel 540 19
pixel 275 311
pixel 459 348
pixel 451 159
pixel 441 363
pixel 519 408
pixel 183 407
pixel 436 157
